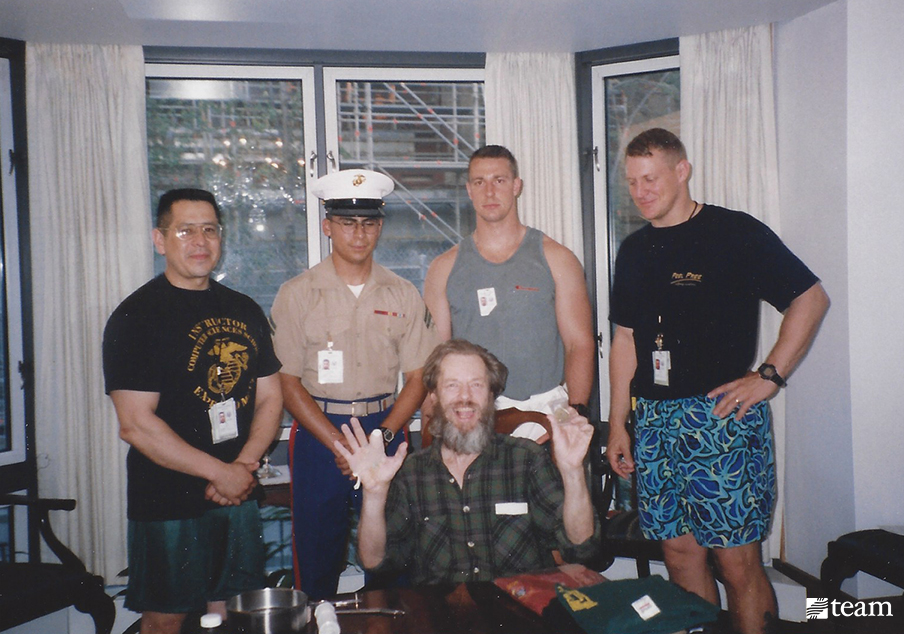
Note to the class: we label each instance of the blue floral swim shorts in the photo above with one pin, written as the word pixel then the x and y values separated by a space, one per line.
pixel 711 477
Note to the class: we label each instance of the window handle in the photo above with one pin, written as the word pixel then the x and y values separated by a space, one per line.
pixel 596 157
pixel 312 162
pixel 24 373
pixel 332 160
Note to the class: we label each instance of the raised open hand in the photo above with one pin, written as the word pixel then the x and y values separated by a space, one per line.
pixel 367 458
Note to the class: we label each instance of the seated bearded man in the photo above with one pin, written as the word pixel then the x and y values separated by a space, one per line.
pixel 475 505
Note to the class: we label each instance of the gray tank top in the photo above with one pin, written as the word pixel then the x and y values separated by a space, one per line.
pixel 521 330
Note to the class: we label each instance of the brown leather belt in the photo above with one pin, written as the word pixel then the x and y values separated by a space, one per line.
pixel 355 408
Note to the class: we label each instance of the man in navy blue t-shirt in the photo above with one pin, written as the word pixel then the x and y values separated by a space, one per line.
pixel 685 304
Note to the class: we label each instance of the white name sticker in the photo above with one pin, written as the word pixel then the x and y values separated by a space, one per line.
pixel 511 508
pixel 645 607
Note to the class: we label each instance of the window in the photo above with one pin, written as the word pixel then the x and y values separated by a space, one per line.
pixel 627 98
pixel 243 133
pixel 249 134
pixel 419 127
pixel 12 397
pixel 6 534
pixel 17 469
pixel 13 532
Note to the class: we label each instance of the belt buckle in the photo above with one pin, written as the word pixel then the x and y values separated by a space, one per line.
pixel 357 406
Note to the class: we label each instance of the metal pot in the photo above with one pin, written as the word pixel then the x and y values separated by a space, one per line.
pixel 268 611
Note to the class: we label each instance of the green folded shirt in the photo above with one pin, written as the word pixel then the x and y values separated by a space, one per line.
pixel 606 608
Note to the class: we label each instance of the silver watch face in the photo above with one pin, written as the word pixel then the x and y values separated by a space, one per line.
pixel 388 434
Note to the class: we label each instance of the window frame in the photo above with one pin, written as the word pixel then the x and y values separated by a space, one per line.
pixel 17 466
pixel 597 256
pixel 603 239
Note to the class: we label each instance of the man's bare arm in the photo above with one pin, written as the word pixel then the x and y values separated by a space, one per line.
pixel 376 470
pixel 268 408
pixel 799 326
pixel 435 292
pixel 570 442
pixel 575 320
pixel 622 366
pixel 140 426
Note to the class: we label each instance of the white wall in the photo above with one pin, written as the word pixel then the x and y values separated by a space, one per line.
pixel 841 139
pixel 875 249
pixel 811 108
pixel 875 92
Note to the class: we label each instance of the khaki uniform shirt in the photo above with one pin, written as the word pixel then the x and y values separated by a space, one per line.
pixel 384 331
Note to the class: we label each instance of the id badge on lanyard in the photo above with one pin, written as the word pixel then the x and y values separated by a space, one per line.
pixel 223 419
pixel 662 360
pixel 329 364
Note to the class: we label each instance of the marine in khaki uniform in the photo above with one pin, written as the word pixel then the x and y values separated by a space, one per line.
pixel 344 330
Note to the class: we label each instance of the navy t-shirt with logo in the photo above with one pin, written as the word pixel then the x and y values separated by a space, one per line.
pixel 699 284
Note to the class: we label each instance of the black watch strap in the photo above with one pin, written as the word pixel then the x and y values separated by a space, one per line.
pixel 581 409
pixel 767 371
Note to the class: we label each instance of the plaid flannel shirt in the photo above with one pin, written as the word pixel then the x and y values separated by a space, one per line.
pixel 438 532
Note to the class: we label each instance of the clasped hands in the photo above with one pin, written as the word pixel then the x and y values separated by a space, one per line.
pixel 233 483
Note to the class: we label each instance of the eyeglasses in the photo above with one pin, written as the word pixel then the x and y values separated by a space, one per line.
pixel 349 225
pixel 208 231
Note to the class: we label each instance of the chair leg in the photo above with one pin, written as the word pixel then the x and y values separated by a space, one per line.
pixel 94 601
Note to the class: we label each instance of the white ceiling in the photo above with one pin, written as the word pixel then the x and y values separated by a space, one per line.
pixel 385 25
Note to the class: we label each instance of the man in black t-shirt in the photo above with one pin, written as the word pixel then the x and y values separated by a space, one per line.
pixel 685 304
pixel 190 368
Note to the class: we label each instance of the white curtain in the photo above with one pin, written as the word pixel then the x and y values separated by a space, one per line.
pixel 531 110
pixel 90 227
pixel 728 126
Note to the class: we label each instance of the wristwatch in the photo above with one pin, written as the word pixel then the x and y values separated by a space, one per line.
pixel 388 434
pixel 767 371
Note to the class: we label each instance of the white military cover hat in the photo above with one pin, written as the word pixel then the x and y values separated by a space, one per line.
pixel 353 192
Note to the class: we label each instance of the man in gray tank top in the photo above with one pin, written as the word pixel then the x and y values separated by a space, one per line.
pixel 516 292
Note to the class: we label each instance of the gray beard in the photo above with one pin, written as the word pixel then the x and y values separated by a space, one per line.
pixel 473 441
